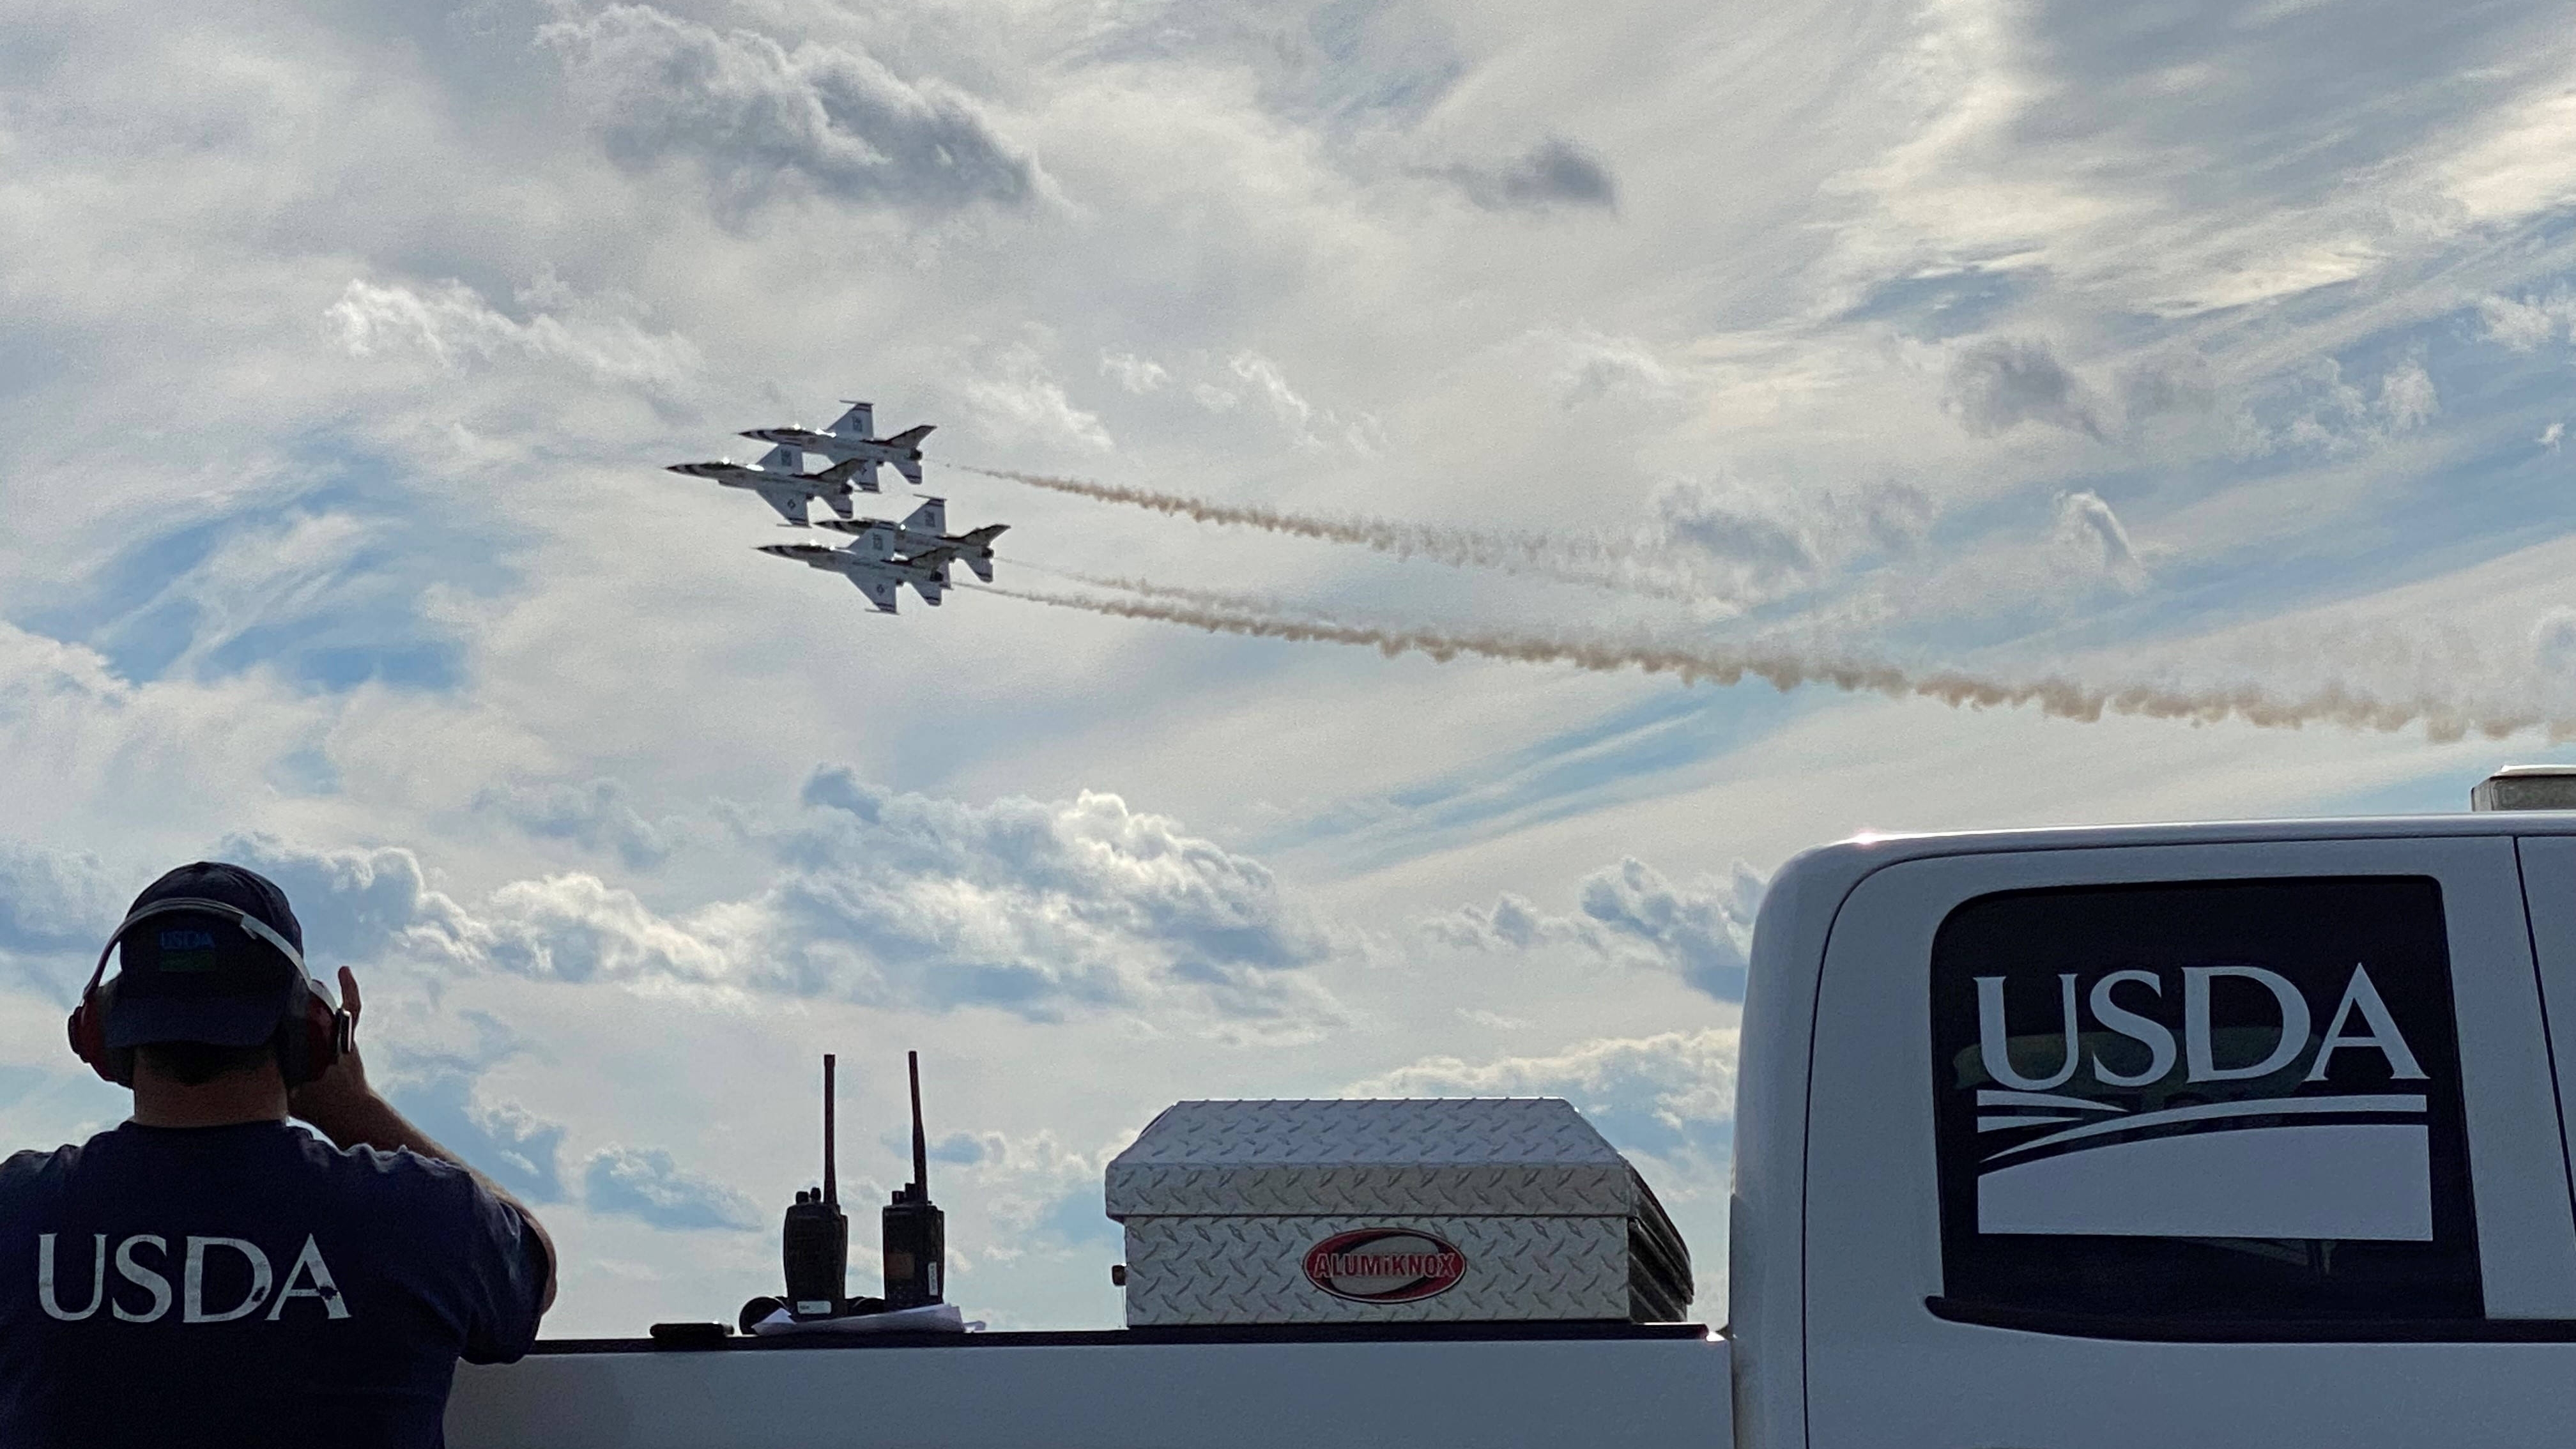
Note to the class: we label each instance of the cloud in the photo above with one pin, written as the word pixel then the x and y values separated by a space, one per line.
pixel 1767 543
pixel 1670 1094
pixel 1292 411
pixel 361 904
pixel 1555 173
pixel 1136 374
pixel 453 326
pixel 57 901
pixel 1017 399
pixel 761 120
pixel 2332 414
pixel 1040 909
pixel 2088 529
pixel 504 1139
pixel 1631 913
pixel 596 816
pixel 2526 324
pixel 2407 399
pixel 2551 436
pixel 1597 368
pixel 2000 383
pixel 645 1184
pixel 1733 528
pixel 2553 644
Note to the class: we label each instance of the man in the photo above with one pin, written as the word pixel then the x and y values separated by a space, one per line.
pixel 208 1273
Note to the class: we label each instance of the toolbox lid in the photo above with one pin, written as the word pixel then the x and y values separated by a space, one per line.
pixel 1527 1156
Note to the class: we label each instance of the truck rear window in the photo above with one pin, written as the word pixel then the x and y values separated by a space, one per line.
pixel 2224 1102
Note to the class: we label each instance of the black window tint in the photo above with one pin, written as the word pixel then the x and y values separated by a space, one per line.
pixel 2233 1100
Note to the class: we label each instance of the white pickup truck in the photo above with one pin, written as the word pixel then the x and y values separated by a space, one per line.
pixel 2126 1138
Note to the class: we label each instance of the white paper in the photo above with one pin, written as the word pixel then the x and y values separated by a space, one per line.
pixel 929 1318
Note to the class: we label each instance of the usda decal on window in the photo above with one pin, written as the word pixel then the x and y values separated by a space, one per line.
pixel 2234 1099
pixel 1384 1265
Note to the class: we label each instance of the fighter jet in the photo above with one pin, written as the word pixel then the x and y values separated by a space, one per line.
pixel 923 538
pixel 869 561
pixel 781 485
pixel 853 439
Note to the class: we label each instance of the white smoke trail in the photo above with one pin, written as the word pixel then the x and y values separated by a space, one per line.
pixel 1786 668
pixel 1572 556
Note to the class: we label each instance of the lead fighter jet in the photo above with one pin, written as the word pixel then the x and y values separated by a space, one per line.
pixel 869 561
pixel 853 440
pixel 778 482
pixel 923 538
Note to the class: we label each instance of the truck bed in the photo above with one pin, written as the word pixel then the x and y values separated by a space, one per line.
pixel 1426 1386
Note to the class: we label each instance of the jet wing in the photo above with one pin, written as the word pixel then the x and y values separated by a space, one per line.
pixel 790 506
pixel 881 589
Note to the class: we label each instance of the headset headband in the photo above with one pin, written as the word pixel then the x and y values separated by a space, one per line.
pixel 252 926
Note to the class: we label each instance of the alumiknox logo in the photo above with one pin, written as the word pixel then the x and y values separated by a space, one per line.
pixel 2227 1123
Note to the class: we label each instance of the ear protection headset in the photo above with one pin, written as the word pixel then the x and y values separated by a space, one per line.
pixel 312 1033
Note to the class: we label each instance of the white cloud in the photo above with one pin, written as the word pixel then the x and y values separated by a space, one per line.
pixel 2526 324
pixel 760 118
pixel 2407 399
pixel 1685 1078
pixel 2000 383
pixel 1631 913
pixel 1292 411
pixel 1040 909
pixel 1136 374
pixel 453 325
pixel 598 815
pixel 645 1183
pixel 2092 533
pixel 1016 398
pixel 2551 436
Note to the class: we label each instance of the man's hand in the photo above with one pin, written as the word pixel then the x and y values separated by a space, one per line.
pixel 339 1100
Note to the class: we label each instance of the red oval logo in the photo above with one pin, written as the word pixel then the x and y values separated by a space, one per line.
pixel 1384 1265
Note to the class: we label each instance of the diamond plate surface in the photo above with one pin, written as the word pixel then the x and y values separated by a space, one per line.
pixel 1251 1269
pixel 1530 1156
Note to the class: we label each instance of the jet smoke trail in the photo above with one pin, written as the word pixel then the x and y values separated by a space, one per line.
pixel 1785 669
pixel 1575 557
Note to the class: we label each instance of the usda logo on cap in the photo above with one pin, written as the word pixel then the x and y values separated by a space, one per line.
pixel 1384 1265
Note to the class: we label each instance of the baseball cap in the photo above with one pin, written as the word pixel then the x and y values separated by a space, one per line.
pixel 200 976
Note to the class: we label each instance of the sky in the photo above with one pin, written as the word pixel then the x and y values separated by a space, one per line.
pixel 2213 361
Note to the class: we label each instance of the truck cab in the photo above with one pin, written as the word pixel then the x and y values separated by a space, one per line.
pixel 2246 1134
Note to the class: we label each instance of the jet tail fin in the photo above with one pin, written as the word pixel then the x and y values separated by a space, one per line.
pixel 911 437
pixel 930 517
pixel 982 564
pixel 910 469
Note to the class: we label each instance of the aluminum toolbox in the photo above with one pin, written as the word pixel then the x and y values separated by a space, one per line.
pixel 1451 1209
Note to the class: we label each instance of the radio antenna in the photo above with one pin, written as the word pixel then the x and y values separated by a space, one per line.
pixel 920 1148
pixel 831 1189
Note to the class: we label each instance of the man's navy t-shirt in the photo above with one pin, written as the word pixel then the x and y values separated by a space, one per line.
pixel 249 1285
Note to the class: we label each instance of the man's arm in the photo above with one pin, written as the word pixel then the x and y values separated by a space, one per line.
pixel 345 1109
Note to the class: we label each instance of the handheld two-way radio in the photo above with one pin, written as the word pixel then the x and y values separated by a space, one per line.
pixel 916 1233
pixel 816 1241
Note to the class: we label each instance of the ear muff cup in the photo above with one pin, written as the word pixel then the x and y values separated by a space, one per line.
pixel 89 1036
pixel 311 1040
